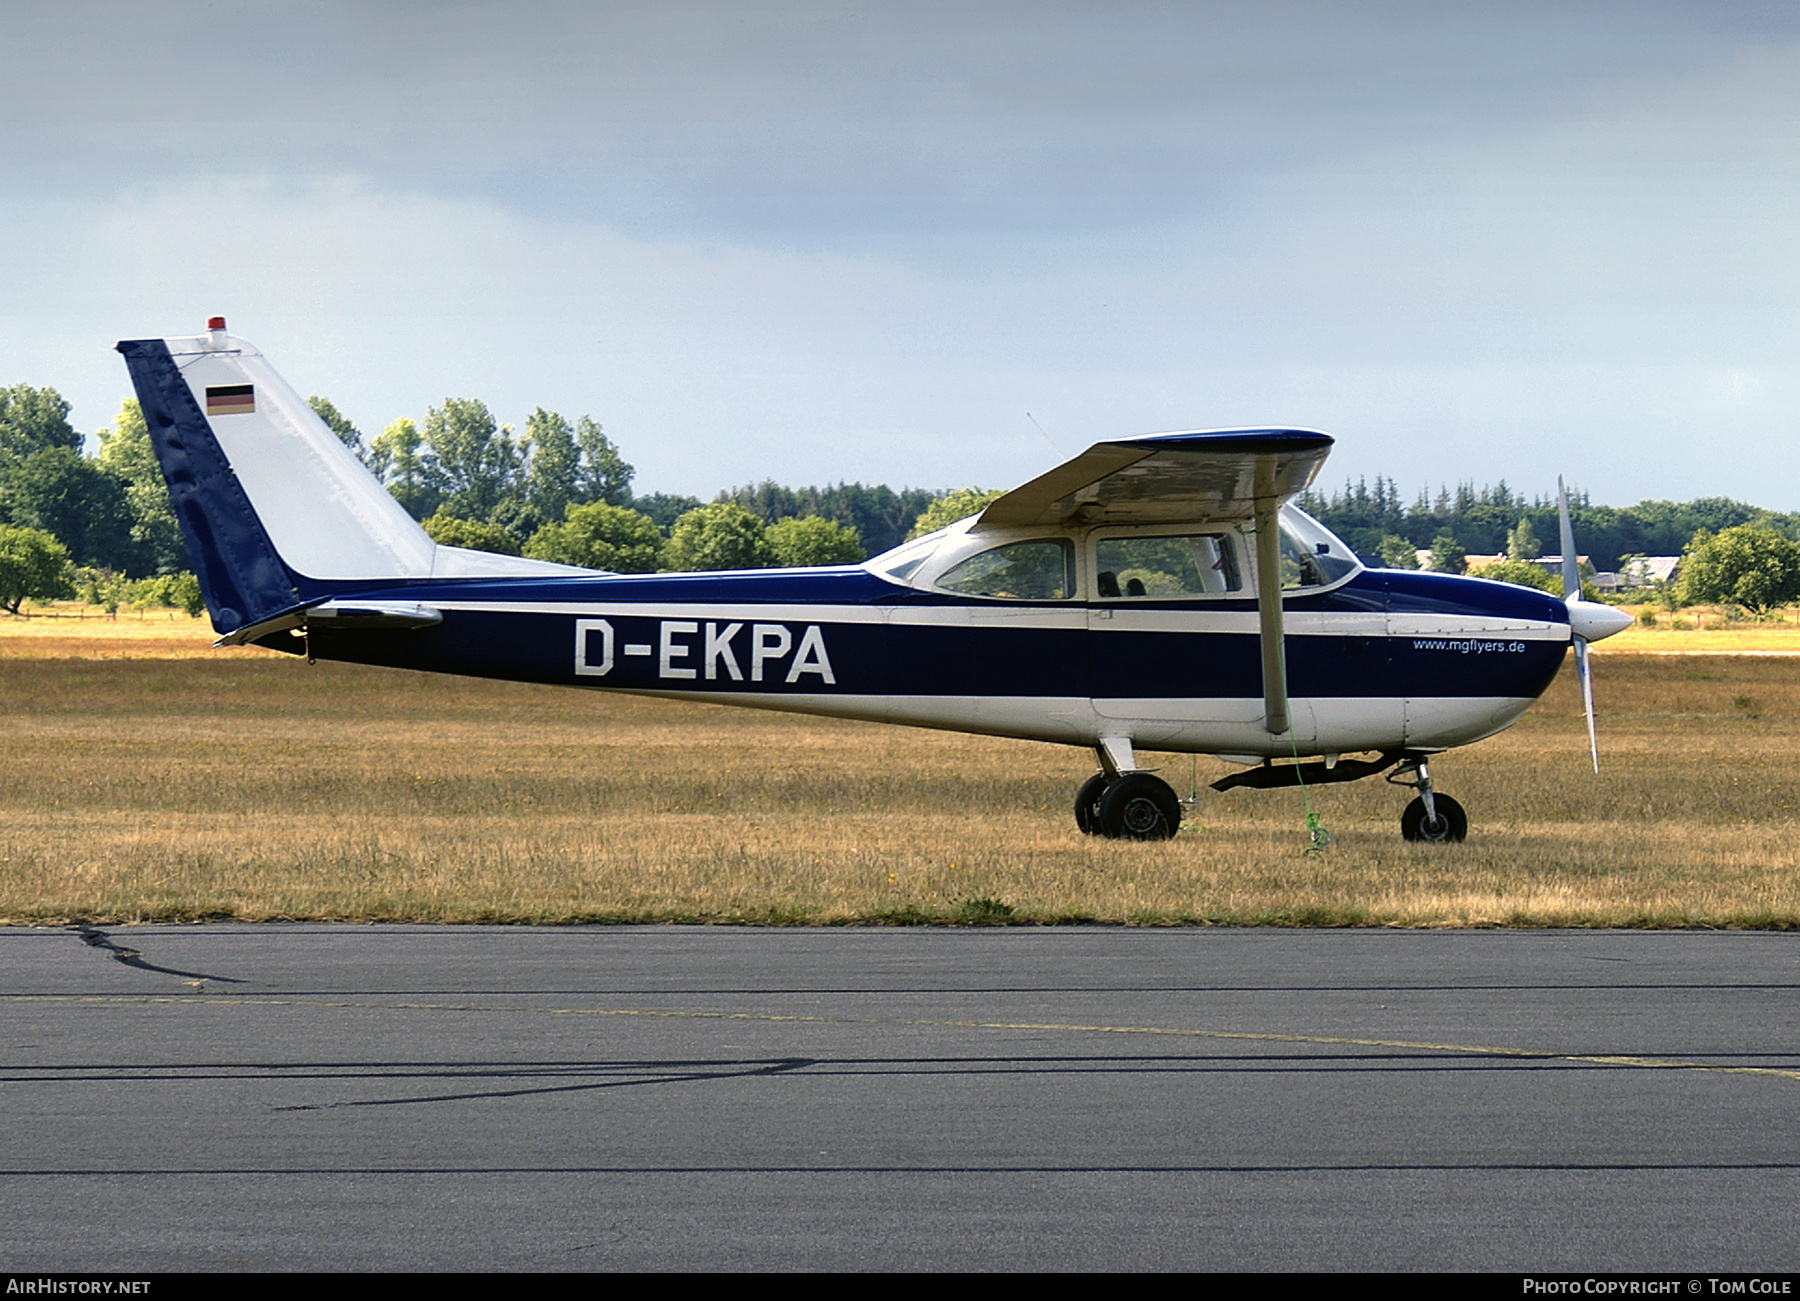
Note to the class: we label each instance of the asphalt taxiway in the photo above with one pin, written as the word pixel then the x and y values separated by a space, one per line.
pixel 286 1097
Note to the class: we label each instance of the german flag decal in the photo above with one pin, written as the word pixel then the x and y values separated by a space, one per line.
pixel 230 399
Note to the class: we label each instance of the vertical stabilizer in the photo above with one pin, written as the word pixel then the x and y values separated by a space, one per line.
pixel 240 574
pixel 275 510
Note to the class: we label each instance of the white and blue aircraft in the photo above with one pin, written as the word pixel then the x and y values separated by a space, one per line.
pixel 1157 593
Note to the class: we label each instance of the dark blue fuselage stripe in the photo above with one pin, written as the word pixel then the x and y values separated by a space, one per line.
pixel 947 660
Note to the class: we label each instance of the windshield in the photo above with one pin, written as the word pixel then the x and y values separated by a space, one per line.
pixel 900 563
pixel 1311 554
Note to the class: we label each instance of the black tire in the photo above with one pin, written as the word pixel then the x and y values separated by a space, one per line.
pixel 1139 807
pixel 1452 823
pixel 1087 804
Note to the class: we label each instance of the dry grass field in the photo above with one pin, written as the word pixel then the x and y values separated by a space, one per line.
pixel 149 778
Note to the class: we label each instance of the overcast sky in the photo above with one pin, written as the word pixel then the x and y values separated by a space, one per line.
pixel 822 242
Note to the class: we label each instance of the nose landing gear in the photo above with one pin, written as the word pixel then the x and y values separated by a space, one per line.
pixel 1431 818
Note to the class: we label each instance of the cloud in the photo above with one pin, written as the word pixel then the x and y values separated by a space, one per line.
pixel 803 244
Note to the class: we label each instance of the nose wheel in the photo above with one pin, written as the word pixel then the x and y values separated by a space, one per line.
pixel 1138 806
pixel 1451 823
pixel 1431 818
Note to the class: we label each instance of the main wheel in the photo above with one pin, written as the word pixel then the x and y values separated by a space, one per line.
pixel 1452 823
pixel 1139 807
pixel 1087 803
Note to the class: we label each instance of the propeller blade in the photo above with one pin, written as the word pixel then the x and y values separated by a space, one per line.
pixel 1587 620
pixel 1571 569
pixel 1583 670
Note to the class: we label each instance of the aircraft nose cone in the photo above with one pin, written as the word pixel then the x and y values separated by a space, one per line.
pixel 1593 621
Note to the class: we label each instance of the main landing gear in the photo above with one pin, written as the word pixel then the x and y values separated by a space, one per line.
pixel 1138 806
pixel 1121 804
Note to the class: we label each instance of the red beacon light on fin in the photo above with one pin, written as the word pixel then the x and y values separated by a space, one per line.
pixel 215 322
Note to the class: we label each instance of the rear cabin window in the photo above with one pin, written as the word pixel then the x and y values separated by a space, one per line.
pixel 1020 571
pixel 1203 564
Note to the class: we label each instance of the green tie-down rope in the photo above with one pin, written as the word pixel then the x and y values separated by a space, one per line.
pixel 1319 838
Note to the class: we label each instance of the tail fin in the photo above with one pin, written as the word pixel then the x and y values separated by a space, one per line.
pixel 275 510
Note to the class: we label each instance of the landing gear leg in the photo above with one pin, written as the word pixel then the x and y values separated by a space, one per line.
pixel 1431 817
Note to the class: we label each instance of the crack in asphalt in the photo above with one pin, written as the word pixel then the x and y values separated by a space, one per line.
pixel 96 938
pixel 780 1066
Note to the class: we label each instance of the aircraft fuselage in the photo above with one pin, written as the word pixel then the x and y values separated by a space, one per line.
pixel 1387 660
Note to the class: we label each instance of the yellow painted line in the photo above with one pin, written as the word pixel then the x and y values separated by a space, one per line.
pixel 1342 1041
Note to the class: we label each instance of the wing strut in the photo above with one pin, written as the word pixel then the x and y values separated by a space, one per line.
pixel 1268 608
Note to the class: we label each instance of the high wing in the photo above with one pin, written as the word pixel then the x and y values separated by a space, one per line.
pixel 1195 477
pixel 1198 477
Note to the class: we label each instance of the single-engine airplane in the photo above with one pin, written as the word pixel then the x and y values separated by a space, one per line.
pixel 1155 593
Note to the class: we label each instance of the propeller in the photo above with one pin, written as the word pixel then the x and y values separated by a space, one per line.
pixel 1588 620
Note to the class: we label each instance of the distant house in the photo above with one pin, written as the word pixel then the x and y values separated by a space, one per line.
pixel 1641 571
pixel 1554 563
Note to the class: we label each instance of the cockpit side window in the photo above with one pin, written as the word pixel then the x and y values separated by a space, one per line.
pixel 1203 564
pixel 1039 570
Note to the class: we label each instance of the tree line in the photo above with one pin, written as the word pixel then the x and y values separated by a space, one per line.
pixel 558 490
pixel 1732 553
pixel 1482 521
pixel 561 490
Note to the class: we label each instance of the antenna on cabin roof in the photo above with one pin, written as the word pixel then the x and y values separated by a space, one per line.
pixel 1047 438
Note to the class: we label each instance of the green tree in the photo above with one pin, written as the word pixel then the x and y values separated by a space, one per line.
pixel 472 463
pixel 1522 573
pixel 879 515
pixel 1446 554
pixel 1397 553
pixel 1749 565
pixel 33 419
pixel 396 459
pixel 348 434
pixel 952 506
pixel 62 492
pixel 813 541
pixel 665 508
pixel 603 474
pixel 185 592
pixel 32 565
pixel 555 459
pixel 720 536
pixel 473 535
pixel 598 536
pixel 126 453
pixel 1522 543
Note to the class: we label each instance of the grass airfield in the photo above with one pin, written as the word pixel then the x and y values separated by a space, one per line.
pixel 151 778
